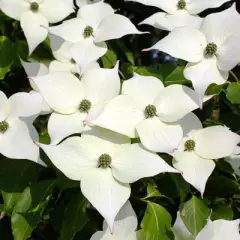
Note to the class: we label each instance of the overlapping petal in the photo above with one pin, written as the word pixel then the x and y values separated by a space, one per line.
pixel 121 115
pixel 215 142
pixel 105 193
pixel 101 85
pixel 93 14
pixel 142 89
pixel 56 10
pixel 35 29
pixel 61 90
pixel 107 29
pixel 195 170
pixel 158 136
pixel 186 43
pixel 5 107
pixel 135 162
pixel 70 157
pixel 174 102
pixel 61 126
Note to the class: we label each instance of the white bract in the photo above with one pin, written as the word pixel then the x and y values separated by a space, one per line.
pixel 179 13
pixel 196 152
pixel 75 101
pixel 105 162
pixel 64 60
pixel 125 225
pixel 213 230
pixel 212 51
pixel 94 24
pixel 234 161
pixel 16 116
pixel 81 3
pixel 35 16
pixel 150 111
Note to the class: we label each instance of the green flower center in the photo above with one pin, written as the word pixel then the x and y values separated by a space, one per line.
pixel 34 6
pixel 4 126
pixel 181 4
pixel 189 145
pixel 88 31
pixel 104 161
pixel 150 111
pixel 211 49
pixel 85 105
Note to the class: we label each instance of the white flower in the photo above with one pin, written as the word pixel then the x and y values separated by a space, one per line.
pixel 213 230
pixel 195 154
pixel 81 3
pixel 35 15
pixel 179 13
pixel 64 60
pixel 74 101
pixel 234 160
pixel 16 116
pixel 105 163
pixel 211 51
pixel 94 24
pixel 124 226
pixel 150 111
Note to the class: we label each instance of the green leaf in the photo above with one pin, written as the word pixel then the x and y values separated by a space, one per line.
pixel 156 222
pixel 7 55
pixel 222 211
pixel 214 89
pixel 194 214
pixel 233 93
pixel 148 71
pixel 153 192
pixel 75 217
pixel 176 77
pixel 126 51
pixel 109 60
pixel 29 209
pixel 24 172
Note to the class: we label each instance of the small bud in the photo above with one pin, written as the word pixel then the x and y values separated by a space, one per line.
pixel 85 106
pixel 189 145
pixel 104 161
pixel 150 111
pixel 4 126
pixel 181 4
pixel 210 50
pixel 88 31
pixel 34 6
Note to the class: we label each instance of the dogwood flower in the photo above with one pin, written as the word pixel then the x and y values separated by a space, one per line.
pixel 81 3
pixel 94 24
pixel 105 162
pixel 16 113
pixel 234 161
pixel 35 16
pixel 75 101
pixel 196 152
pixel 150 111
pixel 218 229
pixel 124 226
pixel 179 13
pixel 211 51
pixel 64 60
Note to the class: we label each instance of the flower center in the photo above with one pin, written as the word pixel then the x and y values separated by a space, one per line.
pixel 34 6
pixel 181 4
pixel 211 49
pixel 189 145
pixel 150 111
pixel 85 105
pixel 4 126
pixel 104 161
pixel 88 31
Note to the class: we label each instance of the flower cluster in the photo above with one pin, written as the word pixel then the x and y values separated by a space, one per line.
pixel 121 128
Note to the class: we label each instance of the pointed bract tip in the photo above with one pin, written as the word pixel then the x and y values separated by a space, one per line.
pixel 146 49
pixel 117 65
